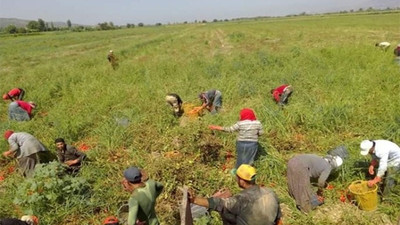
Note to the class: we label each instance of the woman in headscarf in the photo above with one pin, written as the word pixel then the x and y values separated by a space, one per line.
pixel 20 110
pixel 249 129
pixel 14 94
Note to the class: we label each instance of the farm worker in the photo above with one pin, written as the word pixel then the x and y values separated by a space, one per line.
pixel 386 154
pixel 69 155
pixel 176 103
pixel 397 50
pixel 397 54
pixel 383 45
pixel 111 220
pixel 255 205
pixel 14 94
pixel 20 110
pixel 249 129
pixel 25 220
pixel 282 93
pixel 143 199
pixel 211 100
pixel 28 150
pixel 303 167
pixel 112 59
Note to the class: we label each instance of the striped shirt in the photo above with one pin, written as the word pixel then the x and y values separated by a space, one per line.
pixel 248 130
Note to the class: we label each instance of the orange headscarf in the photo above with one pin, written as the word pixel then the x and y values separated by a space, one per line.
pixel 247 114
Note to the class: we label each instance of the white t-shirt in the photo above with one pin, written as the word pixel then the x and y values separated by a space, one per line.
pixel 388 154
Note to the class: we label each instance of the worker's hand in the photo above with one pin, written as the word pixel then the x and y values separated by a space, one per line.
pixel 374 181
pixel 213 127
pixel 222 193
pixel 7 153
pixel 321 199
pixel 71 162
pixel 371 169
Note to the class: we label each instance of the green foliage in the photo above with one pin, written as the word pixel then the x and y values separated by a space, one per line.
pixel 33 25
pixel 50 186
pixel 42 25
pixel 345 90
pixel 11 29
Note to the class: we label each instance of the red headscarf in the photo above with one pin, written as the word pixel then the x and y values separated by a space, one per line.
pixel 7 134
pixel 247 114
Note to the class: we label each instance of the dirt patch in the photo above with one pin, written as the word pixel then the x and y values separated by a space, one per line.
pixel 344 213
pixel 209 147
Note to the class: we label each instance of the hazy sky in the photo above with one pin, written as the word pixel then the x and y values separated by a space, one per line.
pixel 120 12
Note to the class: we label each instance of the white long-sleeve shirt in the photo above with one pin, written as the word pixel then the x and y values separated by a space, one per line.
pixel 388 154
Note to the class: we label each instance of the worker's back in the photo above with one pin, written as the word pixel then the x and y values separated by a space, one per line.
pixel 259 206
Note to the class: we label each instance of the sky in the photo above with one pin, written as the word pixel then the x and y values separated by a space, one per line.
pixel 121 12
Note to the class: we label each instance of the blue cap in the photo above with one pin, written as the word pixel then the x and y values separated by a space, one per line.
pixel 133 175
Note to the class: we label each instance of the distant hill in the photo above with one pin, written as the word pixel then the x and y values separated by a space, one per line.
pixel 22 23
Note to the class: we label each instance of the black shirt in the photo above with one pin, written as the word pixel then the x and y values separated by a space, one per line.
pixel 10 221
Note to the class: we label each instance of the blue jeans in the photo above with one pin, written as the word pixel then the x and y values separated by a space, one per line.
pixel 246 151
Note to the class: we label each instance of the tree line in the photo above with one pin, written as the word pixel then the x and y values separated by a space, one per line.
pixel 41 26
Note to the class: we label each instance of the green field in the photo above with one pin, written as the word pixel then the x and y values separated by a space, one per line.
pixel 346 90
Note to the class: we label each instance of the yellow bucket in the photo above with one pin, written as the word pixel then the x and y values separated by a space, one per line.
pixel 366 197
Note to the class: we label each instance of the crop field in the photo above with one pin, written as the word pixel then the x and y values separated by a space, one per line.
pixel 345 90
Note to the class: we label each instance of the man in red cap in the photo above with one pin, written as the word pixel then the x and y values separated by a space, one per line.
pixel 20 110
pixel 26 148
pixel 14 94
pixel 282 93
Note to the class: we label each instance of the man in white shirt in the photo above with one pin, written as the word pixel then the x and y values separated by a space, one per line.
pixel 386 154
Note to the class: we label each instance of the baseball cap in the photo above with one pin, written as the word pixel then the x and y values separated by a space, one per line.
pixel 365 146
pixel 246 172
pixel 133 175
pixel 338 160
